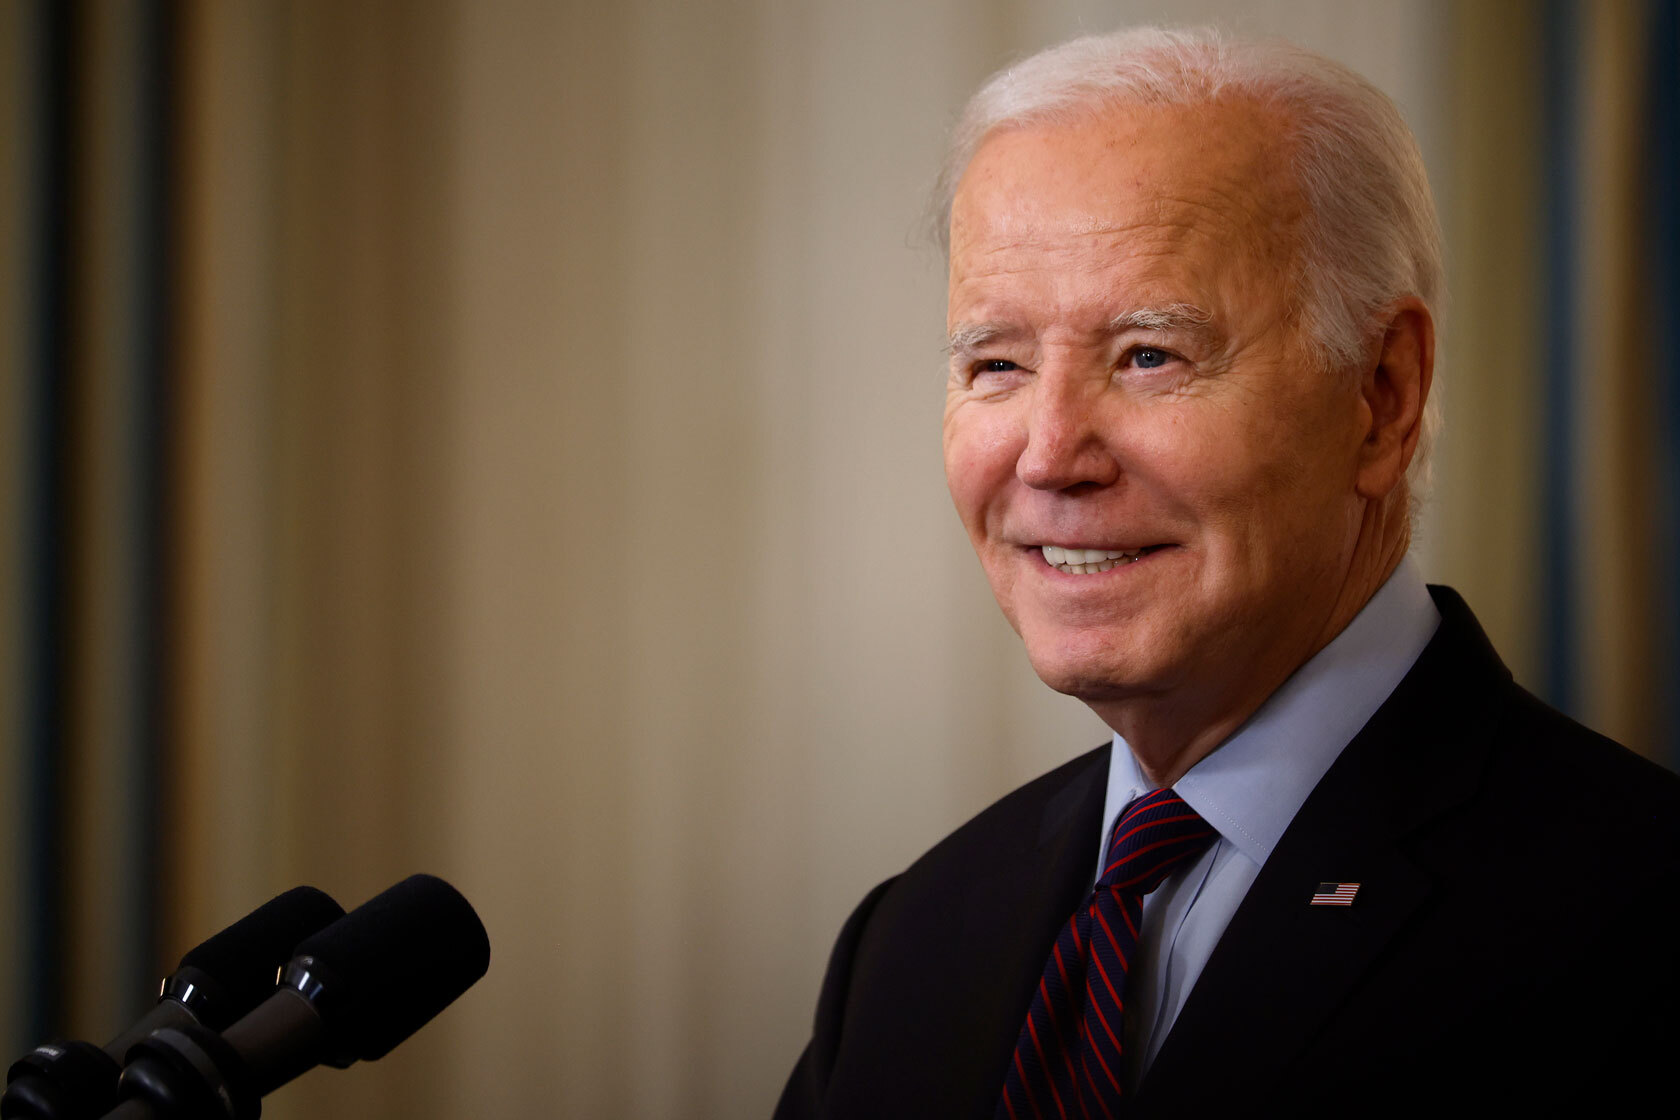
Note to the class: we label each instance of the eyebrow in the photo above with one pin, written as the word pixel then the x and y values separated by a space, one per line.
pixel 972 336
pixel 1181 317
pixel 1173 317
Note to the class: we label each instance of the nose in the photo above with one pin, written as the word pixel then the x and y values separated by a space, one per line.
pixel 1066 446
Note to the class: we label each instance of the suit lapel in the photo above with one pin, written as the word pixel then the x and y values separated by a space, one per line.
pixel 1283 967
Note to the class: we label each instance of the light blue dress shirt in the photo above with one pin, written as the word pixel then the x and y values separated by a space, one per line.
pixel 1249 789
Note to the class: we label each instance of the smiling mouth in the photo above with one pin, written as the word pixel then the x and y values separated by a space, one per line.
pixel 1090 561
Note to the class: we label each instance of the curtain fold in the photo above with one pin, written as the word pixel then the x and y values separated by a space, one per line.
pixel 87 254
pixel 1561 501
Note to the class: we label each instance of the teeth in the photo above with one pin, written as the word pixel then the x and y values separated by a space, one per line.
pixel 1085 561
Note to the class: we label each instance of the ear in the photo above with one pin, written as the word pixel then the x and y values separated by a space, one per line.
pixel 1393 395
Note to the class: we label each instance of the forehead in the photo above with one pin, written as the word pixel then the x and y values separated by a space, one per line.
pixel 1148 190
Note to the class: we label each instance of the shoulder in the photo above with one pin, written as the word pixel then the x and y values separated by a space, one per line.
pixel 1037 834
pixel 1554 835
pixel 925 987
pixel 1596 772
pixel 1574 807
pixel 1030 815
pixel 1462 744
pixel 1536 754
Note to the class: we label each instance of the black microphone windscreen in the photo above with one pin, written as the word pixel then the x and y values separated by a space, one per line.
pixel 394 962
pixel 244 958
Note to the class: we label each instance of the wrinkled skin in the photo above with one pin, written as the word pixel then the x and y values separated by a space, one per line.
pixel 1128 373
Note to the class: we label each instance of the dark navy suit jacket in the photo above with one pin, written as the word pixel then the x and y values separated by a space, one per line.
pixel 1512 944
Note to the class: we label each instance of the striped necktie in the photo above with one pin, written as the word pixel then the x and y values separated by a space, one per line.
pixel 1067 1060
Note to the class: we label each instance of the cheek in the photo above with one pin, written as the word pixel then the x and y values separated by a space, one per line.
pixel 980 462
pixel 1274 493
pixel 1205 468
pixel 1244 484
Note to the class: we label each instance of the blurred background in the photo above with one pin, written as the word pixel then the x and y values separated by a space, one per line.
pixel 500 438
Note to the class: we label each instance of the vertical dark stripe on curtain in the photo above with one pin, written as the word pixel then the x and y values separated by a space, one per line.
pixel 153 287
pixel 1558 562
pixel 48 490
pixel 1663 265
pixel 56 473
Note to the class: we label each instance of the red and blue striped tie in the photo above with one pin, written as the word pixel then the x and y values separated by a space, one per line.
pixel 1067 1060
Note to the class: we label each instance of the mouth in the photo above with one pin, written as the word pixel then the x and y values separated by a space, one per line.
pixel 1090 561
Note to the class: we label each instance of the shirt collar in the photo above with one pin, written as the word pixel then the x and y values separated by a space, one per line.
pixel 1251 786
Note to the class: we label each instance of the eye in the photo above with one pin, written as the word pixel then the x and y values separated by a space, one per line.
pixel 1150 357
pixel 991 373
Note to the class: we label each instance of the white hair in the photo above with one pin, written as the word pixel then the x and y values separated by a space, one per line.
pixel 1370 237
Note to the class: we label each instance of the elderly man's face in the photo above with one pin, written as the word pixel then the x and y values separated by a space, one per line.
pixel 1128 380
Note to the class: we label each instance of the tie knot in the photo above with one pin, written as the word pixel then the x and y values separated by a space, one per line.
pixel 1154 834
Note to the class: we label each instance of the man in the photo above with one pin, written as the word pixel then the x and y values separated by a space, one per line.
pixel 1192 293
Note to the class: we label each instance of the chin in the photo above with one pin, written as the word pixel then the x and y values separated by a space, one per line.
pixel 1091 675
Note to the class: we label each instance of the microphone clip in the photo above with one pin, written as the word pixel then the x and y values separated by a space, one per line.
pixel 59 1079
pixel 190 1073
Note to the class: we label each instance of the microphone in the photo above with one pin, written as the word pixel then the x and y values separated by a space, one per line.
pixel 216 982
pixel 352 992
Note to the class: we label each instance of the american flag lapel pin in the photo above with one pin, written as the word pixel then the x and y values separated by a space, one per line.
pixel 1334 894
